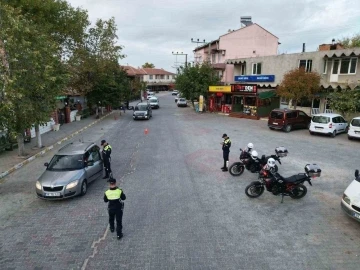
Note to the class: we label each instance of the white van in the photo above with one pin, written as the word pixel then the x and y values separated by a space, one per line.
pixel 354 128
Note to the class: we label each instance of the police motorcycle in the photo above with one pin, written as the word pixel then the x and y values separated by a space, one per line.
pixel 282 186
pixel 249 159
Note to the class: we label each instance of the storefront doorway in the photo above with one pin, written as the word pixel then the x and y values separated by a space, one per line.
pixel 238 103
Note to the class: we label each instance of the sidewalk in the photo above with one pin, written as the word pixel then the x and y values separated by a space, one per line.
pixel 10 161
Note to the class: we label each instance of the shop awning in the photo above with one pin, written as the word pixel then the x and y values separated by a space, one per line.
pixel 267 94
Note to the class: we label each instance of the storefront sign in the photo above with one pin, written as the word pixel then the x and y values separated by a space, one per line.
pixel 245 88
pixel 201 103
pixel 220 89
pixel 255 78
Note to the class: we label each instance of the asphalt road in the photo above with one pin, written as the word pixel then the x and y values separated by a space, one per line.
pixel 182 211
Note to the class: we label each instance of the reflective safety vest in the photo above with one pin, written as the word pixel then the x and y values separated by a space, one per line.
pixel 108 147
pixel 113 194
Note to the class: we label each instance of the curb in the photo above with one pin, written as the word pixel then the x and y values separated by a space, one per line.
pixel 47 149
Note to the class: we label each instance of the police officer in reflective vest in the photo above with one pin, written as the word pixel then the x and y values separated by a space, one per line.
pixel 106 155
pixel 115 196
pixel 226 150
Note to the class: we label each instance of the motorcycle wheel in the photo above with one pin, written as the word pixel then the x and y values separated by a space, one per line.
pixel 236 169
pixel 254 190
pixel 298 192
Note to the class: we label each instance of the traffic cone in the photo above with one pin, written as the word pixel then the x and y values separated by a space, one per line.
pixel 146 131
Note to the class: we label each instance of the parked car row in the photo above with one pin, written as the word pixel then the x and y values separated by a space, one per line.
pixel 323 123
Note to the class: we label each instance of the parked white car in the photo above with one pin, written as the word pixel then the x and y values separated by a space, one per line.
pixel 350 202
pixel 354 128
pixel 328 123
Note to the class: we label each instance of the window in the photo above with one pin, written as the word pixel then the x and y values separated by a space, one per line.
pixel 162 77
pixel 276 115
pixel 290 115
pixel 150 77
pixel 302 114
pixel 213 58
pixel 256 68
pixel 325 66
pixel 306 64
pixel 355 122
pixel 321 119
pixel 335 66
pixel 157 76
pixel 348 66
pixel 243 69
pixel 168 77
pixel 304 102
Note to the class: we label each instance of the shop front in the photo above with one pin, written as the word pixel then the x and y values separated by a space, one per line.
pixel 249 101
pixel 220 99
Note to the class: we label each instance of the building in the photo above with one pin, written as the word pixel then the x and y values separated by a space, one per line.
pixel 339 69
pixel 156 79
pixel 249 41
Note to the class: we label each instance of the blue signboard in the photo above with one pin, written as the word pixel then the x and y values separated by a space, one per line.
pixel 255 78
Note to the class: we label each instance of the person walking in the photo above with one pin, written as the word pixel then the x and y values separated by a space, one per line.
pixel 226 150
pixel 115 196
pixel 106 155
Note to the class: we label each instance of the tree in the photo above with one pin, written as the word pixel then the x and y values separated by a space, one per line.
pixel 193 81
pixel 298 84
pixel 44 75
pixel 148 65
pixel 345 100
pixel 350 42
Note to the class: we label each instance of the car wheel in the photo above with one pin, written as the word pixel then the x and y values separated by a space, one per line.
pixel 287 128
pixel 271 128
pixel 350 138
pixel 311 133
pixel 333 134
pixel 83 188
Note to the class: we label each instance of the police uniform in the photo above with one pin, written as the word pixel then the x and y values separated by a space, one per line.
pixel 106 154
pixel 115 196
pixel 226 150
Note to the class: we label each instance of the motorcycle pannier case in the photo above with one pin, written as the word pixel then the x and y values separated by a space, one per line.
pixel 281 151
pixel 313 170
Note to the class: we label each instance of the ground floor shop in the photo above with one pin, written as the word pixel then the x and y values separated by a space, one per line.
pixel 242 100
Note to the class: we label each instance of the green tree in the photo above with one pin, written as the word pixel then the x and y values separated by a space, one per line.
pixel 34 73
pixel 350 42
pixel 298 84
pixel 148 65
pixel 345 101
pixel 193 81
pixel 55 22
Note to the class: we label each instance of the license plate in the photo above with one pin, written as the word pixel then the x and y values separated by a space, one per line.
pixel 52 194
pixel 356 215
pixel 357 132
pixel 318 128
pixel 275 123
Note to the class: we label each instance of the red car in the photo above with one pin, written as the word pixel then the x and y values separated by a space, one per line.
pixel 288 120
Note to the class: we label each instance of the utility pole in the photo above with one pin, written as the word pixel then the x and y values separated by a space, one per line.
pixel 177 53
pixel 197 44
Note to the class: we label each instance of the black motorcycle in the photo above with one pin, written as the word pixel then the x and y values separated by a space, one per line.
pixel 254 165
pixel 278 185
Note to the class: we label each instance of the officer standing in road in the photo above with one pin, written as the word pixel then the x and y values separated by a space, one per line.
pixel 106 155
pixel 115 196
pixel 226 150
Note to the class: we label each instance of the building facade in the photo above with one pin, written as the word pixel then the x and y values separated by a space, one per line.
pixel 339 69
pixel 156 79
pixel 249 41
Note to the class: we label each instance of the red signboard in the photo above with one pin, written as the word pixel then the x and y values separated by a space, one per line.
pixel 244 88
pixel 219 94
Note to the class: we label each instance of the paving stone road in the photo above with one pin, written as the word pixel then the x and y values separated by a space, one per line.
pixel 182 211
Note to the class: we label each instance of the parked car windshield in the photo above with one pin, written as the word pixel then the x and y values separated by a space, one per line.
pixel 277 115
pixel 66 163
pixel 182 99
pixel 153 100
pixel 141 108
pixel 355 122
pixel 321 119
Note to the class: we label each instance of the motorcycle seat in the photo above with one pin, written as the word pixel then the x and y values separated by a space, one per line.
pixel 294 178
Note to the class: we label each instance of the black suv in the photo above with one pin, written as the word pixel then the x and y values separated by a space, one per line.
pixel 287 120
pixel 142 110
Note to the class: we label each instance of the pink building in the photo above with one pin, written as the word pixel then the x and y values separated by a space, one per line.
pixel 249 41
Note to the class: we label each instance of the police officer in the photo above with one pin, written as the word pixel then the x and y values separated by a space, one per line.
pixel 115 196
pixel 106 155
pixel 226 150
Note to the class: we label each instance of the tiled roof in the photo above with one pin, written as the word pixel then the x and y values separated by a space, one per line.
pixel 157 71
pixel 131 71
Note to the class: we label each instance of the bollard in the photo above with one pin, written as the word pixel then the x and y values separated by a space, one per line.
pixel 146 131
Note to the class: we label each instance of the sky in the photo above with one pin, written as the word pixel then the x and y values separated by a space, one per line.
pixel 150 30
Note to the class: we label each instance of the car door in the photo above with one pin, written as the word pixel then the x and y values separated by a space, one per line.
pixel 304 119
pixel 93 156
pixel 336 123
pixel 342 124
